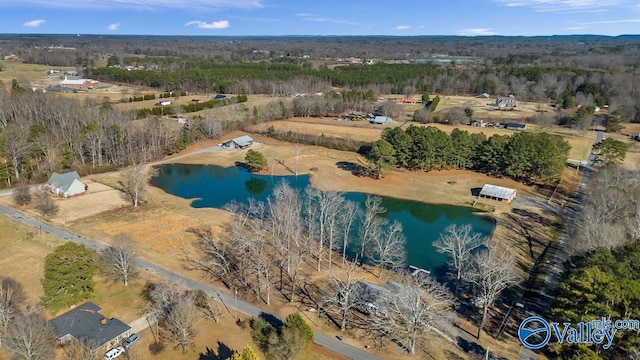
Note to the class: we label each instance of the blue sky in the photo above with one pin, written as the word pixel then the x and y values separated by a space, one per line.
pixel 326 17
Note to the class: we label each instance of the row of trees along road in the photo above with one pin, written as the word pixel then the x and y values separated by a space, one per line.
pixel 601 277
pixel 525 156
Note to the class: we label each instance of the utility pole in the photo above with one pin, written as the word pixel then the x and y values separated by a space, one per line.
pixel 554 191
pixel 236 302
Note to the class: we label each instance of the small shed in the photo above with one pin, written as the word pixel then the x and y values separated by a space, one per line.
pixel 240 142
pixel 498 193
pixel 66 185
pixel 380 120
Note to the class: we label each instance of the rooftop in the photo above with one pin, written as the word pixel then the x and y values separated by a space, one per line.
pixel 497 191
pixel 84 323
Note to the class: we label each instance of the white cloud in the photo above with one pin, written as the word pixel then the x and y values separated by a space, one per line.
pixel 222 24
pixel 476 32
pixel 113 27
pixel 139 4
pixel 591 6
pixel 403 27
pixel 611 22
pixel 317 18
pixel 34 23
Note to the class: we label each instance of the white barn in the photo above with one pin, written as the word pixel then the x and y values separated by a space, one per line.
pixel 66 185
pixel 498 193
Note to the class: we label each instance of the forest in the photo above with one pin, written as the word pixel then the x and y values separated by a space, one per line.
pixel 593 70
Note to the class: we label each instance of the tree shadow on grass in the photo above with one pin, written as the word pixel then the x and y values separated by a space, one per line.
pixel 224 352
pixel 352 167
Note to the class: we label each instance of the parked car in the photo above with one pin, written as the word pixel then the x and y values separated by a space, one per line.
pixel 114 353
pixel 130 340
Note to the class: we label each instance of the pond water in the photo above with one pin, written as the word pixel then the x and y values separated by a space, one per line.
pixel 214 186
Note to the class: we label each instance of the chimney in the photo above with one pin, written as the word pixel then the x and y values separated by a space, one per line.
pixel 103 321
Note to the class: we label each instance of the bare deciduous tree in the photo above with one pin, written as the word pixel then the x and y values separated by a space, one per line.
pixel 344 293
pixel 179 323
pixel 370 222
pixel 134 184
pixel 212 257
pixel 328 204
pixel 493 270
pixel 458 242
pixel 12 298
pixel 348 214
pixel 22 194
pixel 416 307
pixel 45 203
pixel 80 350
pixel 387 248
pixel 211 309
pixel 118 261
pixel 30 337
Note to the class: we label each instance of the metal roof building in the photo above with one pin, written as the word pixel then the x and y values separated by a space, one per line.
pixel 239 142
pixel 498 193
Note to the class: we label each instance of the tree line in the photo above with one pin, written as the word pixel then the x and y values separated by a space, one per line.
pixel 44 133
pixel 562 85
pixel 524 156
pixel 599 278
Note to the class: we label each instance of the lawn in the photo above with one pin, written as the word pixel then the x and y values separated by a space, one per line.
pixel 22 253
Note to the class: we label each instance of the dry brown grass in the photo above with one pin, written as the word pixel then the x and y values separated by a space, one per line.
pixel 581 142
pixel 22 253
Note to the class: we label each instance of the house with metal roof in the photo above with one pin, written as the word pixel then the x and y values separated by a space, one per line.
pixel 66 185
pixel 498 193
pixel 85 323
pixel 380 120
pixel 240 142
pixel 83 84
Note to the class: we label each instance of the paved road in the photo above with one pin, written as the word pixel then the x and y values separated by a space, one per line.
pixel 328 342
pixel 556 264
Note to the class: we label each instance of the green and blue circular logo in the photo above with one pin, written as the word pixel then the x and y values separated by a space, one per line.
pixel 534 332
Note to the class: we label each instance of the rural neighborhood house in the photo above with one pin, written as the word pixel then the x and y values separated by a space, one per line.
pixel 66 185
pixel 86 324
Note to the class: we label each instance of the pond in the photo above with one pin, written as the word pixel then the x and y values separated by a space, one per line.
pixel 214 186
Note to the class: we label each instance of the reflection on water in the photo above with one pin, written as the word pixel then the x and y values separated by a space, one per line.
pixel 215 186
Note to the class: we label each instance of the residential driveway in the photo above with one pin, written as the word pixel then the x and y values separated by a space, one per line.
pixel 323 340
pixel 139 324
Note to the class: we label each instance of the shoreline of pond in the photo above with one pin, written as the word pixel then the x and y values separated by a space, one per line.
pixel 212 186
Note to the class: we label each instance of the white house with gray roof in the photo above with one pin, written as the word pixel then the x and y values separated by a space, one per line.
pixel 66 185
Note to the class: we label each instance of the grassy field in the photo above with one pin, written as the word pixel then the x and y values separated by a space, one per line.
pixel 22 253
pixel 27 73
pixel 581 142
